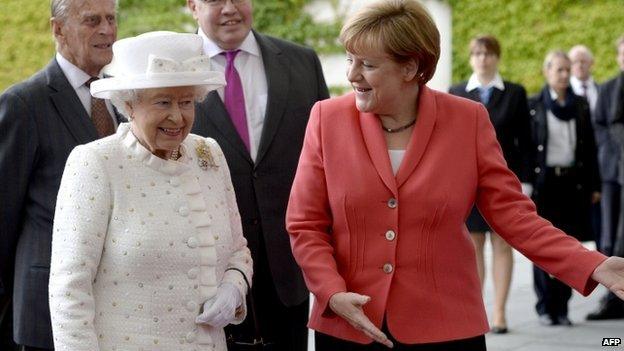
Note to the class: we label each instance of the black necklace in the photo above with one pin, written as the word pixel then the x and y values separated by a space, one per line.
pixel 399 129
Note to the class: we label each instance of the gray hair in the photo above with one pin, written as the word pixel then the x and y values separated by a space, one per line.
pixel 552 55
pixel 581 49
pixel 59 9
pixel 120 98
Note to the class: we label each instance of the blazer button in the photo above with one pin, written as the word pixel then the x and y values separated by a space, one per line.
pixel 390 235
pixel 537 169
pixel 392 203
pixel 387 268
pixel 192 242
pixel 190 337
pixel 540 148
pixel 532 112
pixel 191 306
pixel 175 181
pixel 255 175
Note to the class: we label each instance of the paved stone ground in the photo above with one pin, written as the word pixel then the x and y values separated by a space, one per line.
pixel 525 332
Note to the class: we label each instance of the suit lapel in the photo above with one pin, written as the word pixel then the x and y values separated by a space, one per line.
pixel 495 97
pixel 378 149
pixel 278 82
pixel 212 110
pixel 69 107
pixel 427 115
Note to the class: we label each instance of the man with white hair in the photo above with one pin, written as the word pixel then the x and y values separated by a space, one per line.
pixel 581 80
pixel 42 119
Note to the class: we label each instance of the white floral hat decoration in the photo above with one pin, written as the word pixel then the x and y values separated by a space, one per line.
pixel 157 60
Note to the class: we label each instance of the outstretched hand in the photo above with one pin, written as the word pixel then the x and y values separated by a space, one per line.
pixel 610 273
pixel 349 306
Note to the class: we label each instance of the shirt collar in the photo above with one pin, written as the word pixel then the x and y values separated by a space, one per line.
pixel 211 49
pixel 473 83
pixel 577 84
pixel 75 75
pixel 553 94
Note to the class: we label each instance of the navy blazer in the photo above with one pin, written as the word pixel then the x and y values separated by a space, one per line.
pixel 509 114
pixel 41 121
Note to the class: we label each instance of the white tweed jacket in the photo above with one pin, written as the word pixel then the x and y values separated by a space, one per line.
pixel 140 243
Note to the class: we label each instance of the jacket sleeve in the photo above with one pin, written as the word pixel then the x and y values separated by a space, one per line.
pixel 80 227
pixel 309 218
pixel 514 217
pixel 601 127
pixel 240 257
pixel 18 149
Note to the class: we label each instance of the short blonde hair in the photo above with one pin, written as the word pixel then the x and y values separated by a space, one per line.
pixel 401 28
pixel 551 55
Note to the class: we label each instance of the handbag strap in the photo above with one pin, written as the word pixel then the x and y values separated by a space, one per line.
pixel 252 305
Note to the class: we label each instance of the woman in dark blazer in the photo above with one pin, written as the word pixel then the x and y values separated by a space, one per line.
pixel 387 177
pixel 567 180
pixel 506 103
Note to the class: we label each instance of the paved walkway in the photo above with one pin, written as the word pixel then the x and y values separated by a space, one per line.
pixel 526 334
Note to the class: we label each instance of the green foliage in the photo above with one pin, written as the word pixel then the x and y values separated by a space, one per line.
pixel 527 30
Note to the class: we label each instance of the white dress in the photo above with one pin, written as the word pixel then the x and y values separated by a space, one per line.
pixel 140 243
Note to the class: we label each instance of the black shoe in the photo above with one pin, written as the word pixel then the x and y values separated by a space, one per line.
pixel 499 330
pixel 605 312
pixel 564 320
pixel 545 320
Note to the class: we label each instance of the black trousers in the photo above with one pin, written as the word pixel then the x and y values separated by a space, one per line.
pixel 325 342
pixel 558 203
pixel 285 327
pixel 552 295
pixel 610 210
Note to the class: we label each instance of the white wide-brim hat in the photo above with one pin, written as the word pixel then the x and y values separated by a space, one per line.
pixel 157 60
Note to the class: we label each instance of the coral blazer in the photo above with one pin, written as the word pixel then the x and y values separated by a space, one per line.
pixel 401 240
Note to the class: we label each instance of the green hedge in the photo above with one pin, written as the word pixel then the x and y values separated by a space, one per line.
pixel 527 29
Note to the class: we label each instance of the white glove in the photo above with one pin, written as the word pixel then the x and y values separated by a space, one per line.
pixel 221 309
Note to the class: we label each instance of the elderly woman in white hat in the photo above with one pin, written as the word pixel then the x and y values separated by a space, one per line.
pixel 147 250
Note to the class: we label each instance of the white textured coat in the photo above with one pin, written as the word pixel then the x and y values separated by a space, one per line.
pixel 139 244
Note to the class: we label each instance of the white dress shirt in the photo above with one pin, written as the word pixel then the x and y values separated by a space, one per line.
pixel 474 83
pixel 250 67
pixel 561 139
pixel 592 91
pixel 77 79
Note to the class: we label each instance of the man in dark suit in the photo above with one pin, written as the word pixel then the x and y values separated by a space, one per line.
pixel 567 181
pixel 259 120
pixel 41 120
pixel 610 115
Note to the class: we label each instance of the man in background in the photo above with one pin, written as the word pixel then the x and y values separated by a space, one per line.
pixel 41 120
pixel 610 140
pixel 259 120
pixel 583 84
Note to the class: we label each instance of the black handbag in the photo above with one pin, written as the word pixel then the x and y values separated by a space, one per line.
pixel 257 344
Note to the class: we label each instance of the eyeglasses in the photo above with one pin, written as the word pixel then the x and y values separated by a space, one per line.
pixel 221 3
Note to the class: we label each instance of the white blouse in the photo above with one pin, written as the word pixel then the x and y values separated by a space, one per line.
pixel 396 157
pixel 140 243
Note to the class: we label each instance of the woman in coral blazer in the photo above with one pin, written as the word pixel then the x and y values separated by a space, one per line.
pixel 387 176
